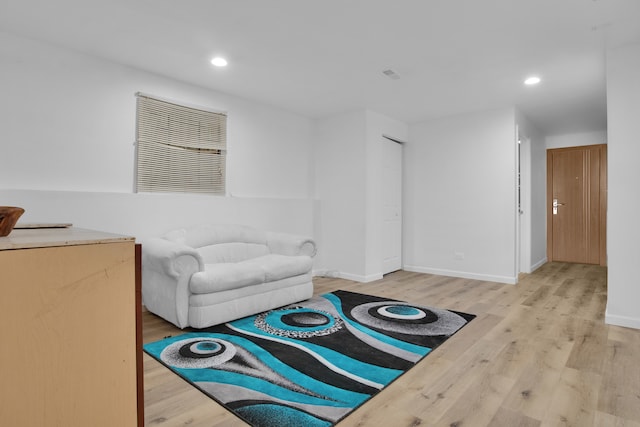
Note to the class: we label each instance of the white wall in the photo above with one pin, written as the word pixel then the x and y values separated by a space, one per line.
pixel 67 155
pixel 576 139
pixel 623 227
pixel 148 215
pixel 340 154
pixel 349 187
pixel 68 125
pixel 460 196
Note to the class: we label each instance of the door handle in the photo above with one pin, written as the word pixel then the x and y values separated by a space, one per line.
pixel 555 206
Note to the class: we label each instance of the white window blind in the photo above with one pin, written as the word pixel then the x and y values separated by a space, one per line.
pixel 179 148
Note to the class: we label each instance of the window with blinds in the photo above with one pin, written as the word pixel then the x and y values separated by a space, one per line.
pixel 179 148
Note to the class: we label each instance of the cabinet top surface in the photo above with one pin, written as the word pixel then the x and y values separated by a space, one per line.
pixel 49 237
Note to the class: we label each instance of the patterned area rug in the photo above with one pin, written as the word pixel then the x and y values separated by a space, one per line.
pixel 308 364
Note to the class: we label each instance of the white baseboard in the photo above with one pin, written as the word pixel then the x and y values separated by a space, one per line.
pixel 538 264
pixel 627 322
pixel 416 269
pixel 322 273
pixel 360 278
pixel 462 274
pixel 347 276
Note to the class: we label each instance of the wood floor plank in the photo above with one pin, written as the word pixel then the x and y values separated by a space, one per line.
pixel 589 341
pixel 532 392
pixel 620 388
pixel 574 400
pixel 537 354
pixel 479 403
pixel 506 417
pixel 448 390
pixel 607 420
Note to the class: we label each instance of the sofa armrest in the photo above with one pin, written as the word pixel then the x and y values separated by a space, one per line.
pixel 167 268
pixel 290 244
pixel 171 258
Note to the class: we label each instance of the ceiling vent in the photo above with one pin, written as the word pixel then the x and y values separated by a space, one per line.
pixel 391 74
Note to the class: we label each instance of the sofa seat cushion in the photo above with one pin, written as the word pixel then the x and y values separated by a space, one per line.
pixel 263 269
pixel 276 267
pixel 224 276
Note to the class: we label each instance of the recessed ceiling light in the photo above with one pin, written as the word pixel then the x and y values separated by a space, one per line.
pixel 533 80
pixel 219 62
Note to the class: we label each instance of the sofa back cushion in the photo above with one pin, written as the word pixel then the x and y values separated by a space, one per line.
pixel 222 243
pixel 205 235
pixel 232 252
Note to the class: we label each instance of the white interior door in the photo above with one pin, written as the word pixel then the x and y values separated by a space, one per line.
pixel 391 206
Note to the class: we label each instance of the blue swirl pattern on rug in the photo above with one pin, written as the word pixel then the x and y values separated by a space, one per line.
pixel 308 364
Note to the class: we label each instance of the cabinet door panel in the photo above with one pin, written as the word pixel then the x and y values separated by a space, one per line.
pixel 69 352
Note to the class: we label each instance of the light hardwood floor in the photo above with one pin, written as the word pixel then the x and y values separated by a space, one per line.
pixel 537 354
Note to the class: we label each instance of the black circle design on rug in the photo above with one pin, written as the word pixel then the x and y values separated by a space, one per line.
pixel 298 322
pixel 199 352
pixel 305 319
pixel 407 318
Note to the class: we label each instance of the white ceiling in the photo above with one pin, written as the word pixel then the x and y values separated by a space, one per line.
pixel 318 58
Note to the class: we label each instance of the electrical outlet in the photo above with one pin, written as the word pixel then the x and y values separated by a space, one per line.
pixel 458 255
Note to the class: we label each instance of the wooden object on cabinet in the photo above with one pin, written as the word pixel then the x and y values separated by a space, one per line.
pixel 68 356
pixel 8 217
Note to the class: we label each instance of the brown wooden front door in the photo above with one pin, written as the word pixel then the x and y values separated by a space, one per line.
pixel 576 204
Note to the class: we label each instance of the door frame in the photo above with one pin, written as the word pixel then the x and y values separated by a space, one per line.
pixel 523 208
pixel 603 199
pixel 386 139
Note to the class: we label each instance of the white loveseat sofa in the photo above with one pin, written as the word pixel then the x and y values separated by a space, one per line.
pixel 210 274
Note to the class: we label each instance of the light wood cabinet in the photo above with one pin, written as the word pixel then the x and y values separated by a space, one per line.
pixel 68 351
